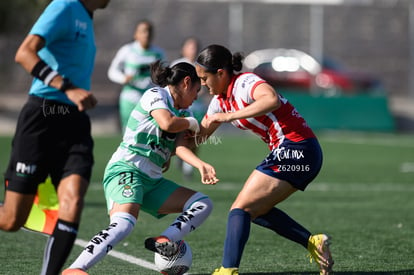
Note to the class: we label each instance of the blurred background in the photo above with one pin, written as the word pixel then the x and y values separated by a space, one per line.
pixel 345 64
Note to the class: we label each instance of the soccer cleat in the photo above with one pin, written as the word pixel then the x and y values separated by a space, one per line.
pixel 318 247
pixel 226 271
pixel 74 271
pixel 167 249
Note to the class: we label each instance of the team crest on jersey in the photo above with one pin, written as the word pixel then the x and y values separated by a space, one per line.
pixel 127 192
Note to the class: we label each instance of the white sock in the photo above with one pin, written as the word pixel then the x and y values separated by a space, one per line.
pixel 196 210
pixel 121 224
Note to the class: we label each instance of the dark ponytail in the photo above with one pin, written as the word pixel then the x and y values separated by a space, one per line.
pixel 216 57
pixel 163 75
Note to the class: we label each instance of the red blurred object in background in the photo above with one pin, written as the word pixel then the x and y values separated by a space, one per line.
pixel 294 69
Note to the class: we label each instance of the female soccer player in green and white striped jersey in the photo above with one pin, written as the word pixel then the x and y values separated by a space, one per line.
pixel 133 179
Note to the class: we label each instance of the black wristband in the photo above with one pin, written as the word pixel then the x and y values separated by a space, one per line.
pixel 66 85
pixel 43 72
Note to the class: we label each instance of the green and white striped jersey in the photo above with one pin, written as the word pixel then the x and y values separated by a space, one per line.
pixel 133 59
pixel 144 144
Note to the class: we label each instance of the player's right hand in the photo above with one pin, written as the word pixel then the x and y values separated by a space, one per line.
pixel 208 174
pixel 82 98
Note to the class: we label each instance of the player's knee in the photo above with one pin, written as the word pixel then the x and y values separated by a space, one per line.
pixel 70 203
pixel 199 202
pixel 209 204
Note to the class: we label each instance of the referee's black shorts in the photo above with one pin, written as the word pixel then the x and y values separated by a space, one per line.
pixel 52 138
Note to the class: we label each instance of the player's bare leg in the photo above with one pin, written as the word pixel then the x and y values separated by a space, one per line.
pixel 71 192
pixel 15 210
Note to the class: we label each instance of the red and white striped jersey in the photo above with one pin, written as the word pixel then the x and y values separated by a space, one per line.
pixel 273 127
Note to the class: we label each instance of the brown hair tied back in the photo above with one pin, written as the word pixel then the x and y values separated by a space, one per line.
pixel 163 75
pixel 215 57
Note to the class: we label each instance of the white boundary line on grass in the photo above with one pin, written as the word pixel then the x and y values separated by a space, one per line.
pixel 360 187
pixel 382 141
pixel 407 167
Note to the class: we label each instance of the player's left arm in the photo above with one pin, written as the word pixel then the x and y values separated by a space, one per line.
pixel 27 56
pixel 207 171
pixel 265 100
pixel 173 124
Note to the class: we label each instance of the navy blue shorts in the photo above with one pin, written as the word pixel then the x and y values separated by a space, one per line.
pixel 51 138
pixel 295 162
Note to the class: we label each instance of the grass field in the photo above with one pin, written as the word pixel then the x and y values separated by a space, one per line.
pixel 363 198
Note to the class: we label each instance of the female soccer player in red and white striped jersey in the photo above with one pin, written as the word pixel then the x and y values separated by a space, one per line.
pixel 295 159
